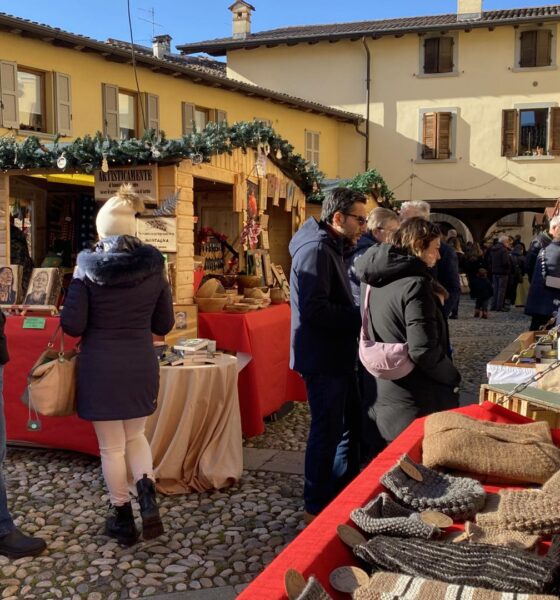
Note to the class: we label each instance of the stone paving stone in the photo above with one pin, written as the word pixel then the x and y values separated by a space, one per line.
pixel 255 458
pixel 285 462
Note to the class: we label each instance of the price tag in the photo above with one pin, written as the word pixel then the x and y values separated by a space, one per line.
pixel 34 323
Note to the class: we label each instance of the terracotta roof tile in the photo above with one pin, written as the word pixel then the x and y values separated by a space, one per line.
pixel 359 29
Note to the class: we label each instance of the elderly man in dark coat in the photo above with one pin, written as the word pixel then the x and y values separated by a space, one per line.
pixel 324 344
pixel 500 265
pixel 544 292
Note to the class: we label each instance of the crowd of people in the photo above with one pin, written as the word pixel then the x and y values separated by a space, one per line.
pixel 413 269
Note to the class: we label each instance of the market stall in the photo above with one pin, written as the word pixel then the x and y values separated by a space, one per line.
pixel 318 550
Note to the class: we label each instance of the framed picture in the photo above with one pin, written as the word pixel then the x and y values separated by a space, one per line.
pixel 10 284
pixel 281 279
pixel 43 286
pixel 186 323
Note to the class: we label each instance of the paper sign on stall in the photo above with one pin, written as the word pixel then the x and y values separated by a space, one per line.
pixel 160 232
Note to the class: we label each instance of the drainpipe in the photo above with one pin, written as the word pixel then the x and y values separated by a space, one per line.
pixel 368 97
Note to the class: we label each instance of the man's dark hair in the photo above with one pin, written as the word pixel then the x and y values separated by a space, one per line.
pixel 340 200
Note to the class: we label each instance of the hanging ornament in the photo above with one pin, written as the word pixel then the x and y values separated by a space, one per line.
pixel 156 153
pixel 15 155
pixel 261 164
pixel 278 154
pixel 61 161
pixel 266 148
pixel 105 164
pixel 196 158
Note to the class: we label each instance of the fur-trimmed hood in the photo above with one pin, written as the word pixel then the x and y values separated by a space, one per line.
pixel 120 261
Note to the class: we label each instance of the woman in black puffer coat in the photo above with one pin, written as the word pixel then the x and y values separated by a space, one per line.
pixel 117 299
pixel 404 308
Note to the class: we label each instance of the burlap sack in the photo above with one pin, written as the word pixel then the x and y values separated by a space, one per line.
pixel 512 453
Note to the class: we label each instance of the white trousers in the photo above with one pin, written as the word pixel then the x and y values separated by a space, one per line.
pixel 123 446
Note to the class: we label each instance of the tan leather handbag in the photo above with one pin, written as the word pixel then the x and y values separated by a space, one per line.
pixel 51 383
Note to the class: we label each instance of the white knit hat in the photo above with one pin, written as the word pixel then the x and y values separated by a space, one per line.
pixel 118 215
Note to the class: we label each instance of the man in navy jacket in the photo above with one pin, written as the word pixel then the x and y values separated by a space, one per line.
pixel 324 343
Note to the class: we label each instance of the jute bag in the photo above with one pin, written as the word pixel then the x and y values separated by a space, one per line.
pixel 51 383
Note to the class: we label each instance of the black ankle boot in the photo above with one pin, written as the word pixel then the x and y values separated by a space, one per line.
pixel 16 544
pixel 151 521
pixel 120 525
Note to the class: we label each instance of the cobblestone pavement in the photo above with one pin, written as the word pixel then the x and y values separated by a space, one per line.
pixel 217 540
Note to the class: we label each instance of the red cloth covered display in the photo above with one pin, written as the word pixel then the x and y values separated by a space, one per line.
pixel 318 550
pixel 24 347
pixel 267 382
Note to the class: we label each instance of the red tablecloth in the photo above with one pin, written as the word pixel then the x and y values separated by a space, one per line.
pixel 318 550
pixel 24 347
pixel 267 382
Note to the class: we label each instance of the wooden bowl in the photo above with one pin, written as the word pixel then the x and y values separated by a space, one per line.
pixel 209 305
pixel 247 281
pixel 210 288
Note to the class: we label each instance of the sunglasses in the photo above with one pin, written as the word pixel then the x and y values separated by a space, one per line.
pixel 361 220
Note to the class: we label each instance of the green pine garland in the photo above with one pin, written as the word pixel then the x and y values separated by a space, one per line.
pixel 371 182
pixel 87 153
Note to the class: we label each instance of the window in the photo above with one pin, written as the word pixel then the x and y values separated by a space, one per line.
pixel 198 117
pixel 436 135
pixel 31 100
pixel 535 48
pixel 25 104
pixel 438 54
pixel 127 115
pixel 121 117
pixel 531 131
pixel 312 147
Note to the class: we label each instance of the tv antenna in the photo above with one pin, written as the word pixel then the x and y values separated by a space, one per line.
pixel 152 20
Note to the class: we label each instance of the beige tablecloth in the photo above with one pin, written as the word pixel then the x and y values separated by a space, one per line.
pixel 195 433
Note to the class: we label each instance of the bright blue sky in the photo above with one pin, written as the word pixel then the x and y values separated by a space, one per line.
pixel 193 20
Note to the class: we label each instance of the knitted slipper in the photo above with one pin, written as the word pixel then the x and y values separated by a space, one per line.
pixel 384 516
pixel 384 586
pixel 298 589
pixel 459 497
pixel 497 537
pixel 476 565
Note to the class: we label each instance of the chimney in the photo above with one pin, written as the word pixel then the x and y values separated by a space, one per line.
pixel 241 19
pixel 161 45
pixel 469 10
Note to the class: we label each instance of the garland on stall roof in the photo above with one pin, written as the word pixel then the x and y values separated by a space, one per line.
pixel 371 182
pixel 89 153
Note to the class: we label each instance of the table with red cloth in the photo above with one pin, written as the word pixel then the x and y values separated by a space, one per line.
pixel 24 348
pixel 267 382
pixel 317 550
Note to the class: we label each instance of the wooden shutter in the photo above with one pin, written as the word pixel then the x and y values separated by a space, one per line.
pixel 443 128
pixel 110 110
pixel 221 116
pixel 445 58
pixel 188 117
pixel 9 85
pixel 543 56
pixel 151 110
pixel 554 142
pixel 429 135
pixel 63 104
pixel 431 52
pixel 510 120
pixel 527 46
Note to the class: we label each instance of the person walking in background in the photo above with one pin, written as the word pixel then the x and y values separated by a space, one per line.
pixel 481 292
pixel 13 543
pixel 324 344
pixel 500 266
pixel 381 225
pixel 544 291
pixel 414 208
pixel 446 271
pixel 117 299
pixel 540 241
pixel 404 308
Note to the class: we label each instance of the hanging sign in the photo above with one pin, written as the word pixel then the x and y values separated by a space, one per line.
pixel 143 180
pixel 160 232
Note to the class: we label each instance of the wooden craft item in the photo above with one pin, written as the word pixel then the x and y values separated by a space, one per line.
pixel 276 199
pixel 348 579
pixel 290 193
pixel 270 184
pixel 281 278
pixel 267 270
pixel 265 241
pixel 294 582
pixel 298 195
pixel 410 469
pixel 263 221
pixel 434 517
pixel 350 536
pixel 262 194
pixel 239 192
pixel 283 188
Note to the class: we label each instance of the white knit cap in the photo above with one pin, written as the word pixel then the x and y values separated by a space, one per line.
pixel 118 215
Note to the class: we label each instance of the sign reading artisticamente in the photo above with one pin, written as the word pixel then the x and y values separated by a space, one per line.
pixel 160 232
pixel 143 180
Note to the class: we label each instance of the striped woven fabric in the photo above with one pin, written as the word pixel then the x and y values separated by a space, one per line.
pixel 391 586
pixel 476 565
